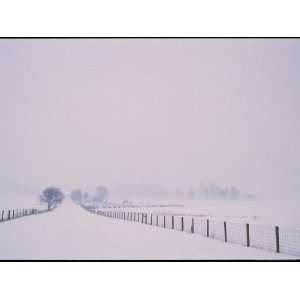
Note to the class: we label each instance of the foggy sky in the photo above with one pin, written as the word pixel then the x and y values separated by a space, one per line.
pixel 174 112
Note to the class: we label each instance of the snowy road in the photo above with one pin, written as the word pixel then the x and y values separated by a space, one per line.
pixel 70 232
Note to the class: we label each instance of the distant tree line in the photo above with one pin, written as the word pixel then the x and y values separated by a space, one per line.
pixel 99 199
pixel 211 191
pixel 203 191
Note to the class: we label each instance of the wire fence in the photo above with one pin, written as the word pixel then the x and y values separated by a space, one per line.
pixel 11 214
pixel 272 238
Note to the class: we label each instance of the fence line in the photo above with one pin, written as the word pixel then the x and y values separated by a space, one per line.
pixel 271 238
pixel 11 214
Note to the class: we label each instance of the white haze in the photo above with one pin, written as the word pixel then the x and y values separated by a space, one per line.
pixel 79 113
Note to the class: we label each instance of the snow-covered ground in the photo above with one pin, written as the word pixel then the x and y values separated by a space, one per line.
pixel 18 200
pixel 69 232
pixel 258 211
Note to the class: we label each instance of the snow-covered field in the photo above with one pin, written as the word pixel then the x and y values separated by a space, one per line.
pixel 17 201
pixel 69 232
pixel 258 211
pixel 270 225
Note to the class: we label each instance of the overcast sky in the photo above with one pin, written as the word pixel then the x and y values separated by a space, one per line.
pixel 86 112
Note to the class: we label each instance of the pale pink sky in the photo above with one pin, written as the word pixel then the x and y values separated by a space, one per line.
pixel 170 111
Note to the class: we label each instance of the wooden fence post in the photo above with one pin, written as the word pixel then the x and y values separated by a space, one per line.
pixel 172 222
pixel 207 227
pixel 225 232
pixel 182 224
pixel 151 219
pixel 248 235
pixel 156 220
pixel 192 227
pixel 277 239
pixel 8 215
pixel 164 221
pixel 2 215
pixel 146 217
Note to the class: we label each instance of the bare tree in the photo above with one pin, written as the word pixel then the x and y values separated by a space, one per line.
pixel 52 196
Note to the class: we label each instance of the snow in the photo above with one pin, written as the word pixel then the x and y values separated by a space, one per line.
pixel 70 232
pixel 257 211
pixel 19 200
